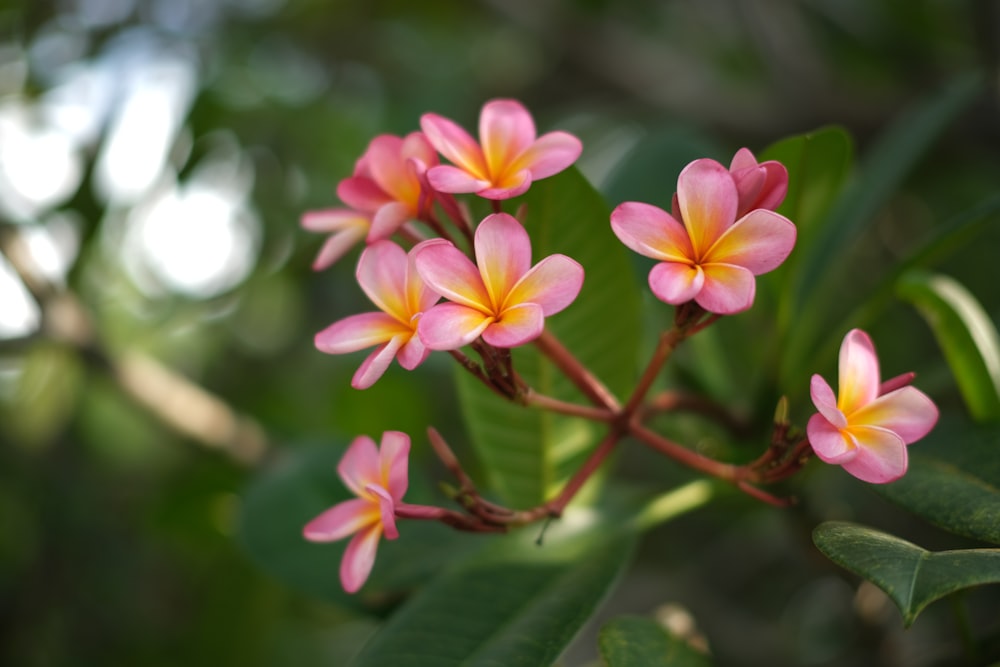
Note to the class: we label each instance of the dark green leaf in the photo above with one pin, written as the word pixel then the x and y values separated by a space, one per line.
pixel 965 334
pixel 913 577
pixel 527 452
pixel 634 641
pixel 515 603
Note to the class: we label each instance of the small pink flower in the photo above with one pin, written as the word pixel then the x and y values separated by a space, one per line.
pixel 379 479
pixel 504 299
pixel 387 275
pixel 346 227
pixel 508 157
pixel 707 255
pixel 866 428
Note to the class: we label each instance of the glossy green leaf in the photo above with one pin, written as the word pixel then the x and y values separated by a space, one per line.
pixel 966 335
pixel 954 480
pixel 913 577
pixel 285 496
pixel 636 641
pixel 527 452
pixel 515 603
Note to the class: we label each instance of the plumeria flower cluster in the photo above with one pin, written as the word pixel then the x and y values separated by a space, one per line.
pixel 476 285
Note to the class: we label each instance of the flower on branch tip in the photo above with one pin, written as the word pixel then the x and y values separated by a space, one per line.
pixel 866 427
pixel 508 157
pixel 388 276
pixel 707 255
pixel 378 476
pixel 502 297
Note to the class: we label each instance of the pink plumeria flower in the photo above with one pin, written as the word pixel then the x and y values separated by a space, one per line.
pixel 389 182
pixel 388 276
pixel 708 255
pixel 346 227
pixel 866 427
pixel 508 157
pixel 504 299
pixel 378 477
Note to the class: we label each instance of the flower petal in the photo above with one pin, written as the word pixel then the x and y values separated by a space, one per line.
pixel 412 353
pixel 337 246
pixel 446 178
pixel 453 142
pixel 728 289
pixel 506 130
pixel 651 232
pixel 449 326
pixel 359 466
pixel 450 273
pixel 551 153
pixel 341 520
pixel 552 284
pixel 388 219
pixel 394 455
pixel 357 332
pixel 334 220
pixel 516 326
pixel 706 195
pixel 375 364
pixel 907 412
pixel 831 444
pixel 881 458
pixel 359 558
pixel 676 283
pixel 362 193
pixel 759 241
pixel 503 255
pixel 381 273
pixel 511 185
pixel 826 402
pixel 390 170
pixel 387 511
pixel 858 373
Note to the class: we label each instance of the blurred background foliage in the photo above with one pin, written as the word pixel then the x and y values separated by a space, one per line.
pixel 157 307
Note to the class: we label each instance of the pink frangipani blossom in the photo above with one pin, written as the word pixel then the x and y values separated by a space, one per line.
pixel 379 478
pixel 388 276
pixel 708 255
pixel 508 157
pixel 864 427
pixel 502 297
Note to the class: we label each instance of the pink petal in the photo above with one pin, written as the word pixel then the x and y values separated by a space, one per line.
pixel 359 557
pixel 831 444
pixel 881 456
pixel 341 520
pixel 419 295
pixel 743 160
pixel 907 412
pixel 334 220
pixel 451 274
pixel 511 185
pixel 388 219
pixel 387 512
pixel 728 289
pixel 676 283
pixel 826 402
pixel 552 284
pixel 858 373
pixel 449 326
pixel 759 241
pixel 390 170
pixel 446 178
pixel 552 153
pixel 359 466
pixel 381 273
pixel 775 185
pixel 357 332
pixel 707 198
pixel 413 353
pixel 417 148
pixel 506 130
pixel 454 143
pixel 337 246
pixel 516 326
pixel 362 193
pixel 394 460
pixel 376 364
pixel 503 255
pixel 651 232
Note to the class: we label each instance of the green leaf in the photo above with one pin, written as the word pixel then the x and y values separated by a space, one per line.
pixel 820 265
pixel 285 496
pixel 515 603
pixel 965 334
pixel 635 641
pixel 527 453
pixel 913 577
pixel 954 480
